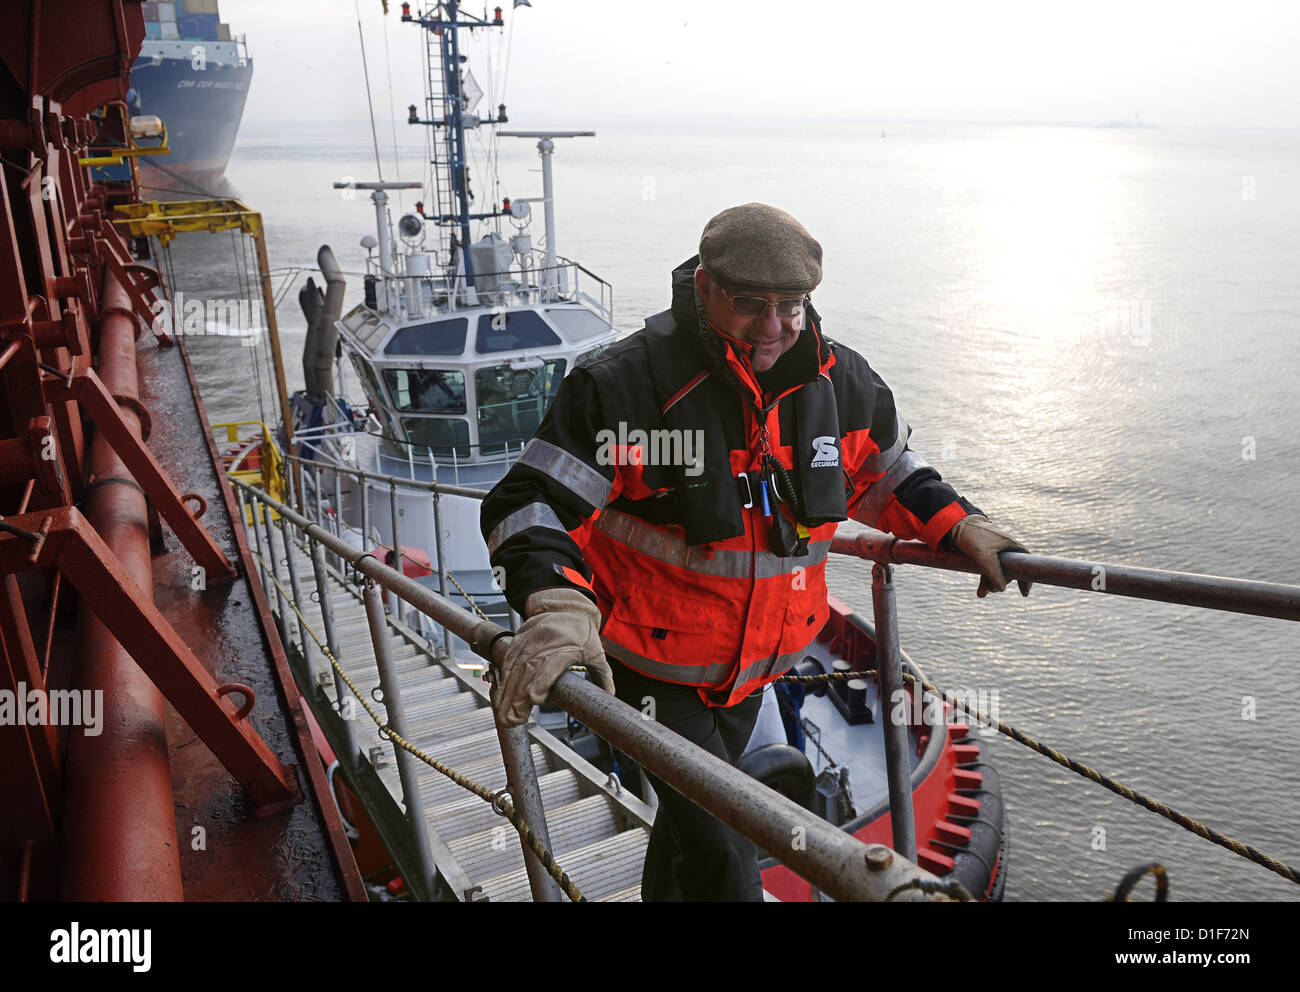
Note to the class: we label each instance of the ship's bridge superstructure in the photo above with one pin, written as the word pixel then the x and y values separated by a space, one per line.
pixel 470 320
pixel 467 326
pixel 469 385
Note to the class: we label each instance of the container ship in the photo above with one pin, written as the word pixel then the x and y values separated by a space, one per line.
pixel 194 75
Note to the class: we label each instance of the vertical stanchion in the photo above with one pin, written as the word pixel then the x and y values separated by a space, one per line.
pixel 408 767
pixel 360 481
pixel 243 507
pixel 315 485
pixel 526 794
pixel 898 767
pixel 338 518
pixel 349 710
pixel 290 488
pixel 395 604
pixel 442 566
pixel 295 586
pixel 294 500
pixel 267 553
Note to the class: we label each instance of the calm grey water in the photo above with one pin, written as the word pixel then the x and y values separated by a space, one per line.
pixel 1094 335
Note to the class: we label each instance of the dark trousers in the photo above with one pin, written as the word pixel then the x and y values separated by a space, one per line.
pixel 692 856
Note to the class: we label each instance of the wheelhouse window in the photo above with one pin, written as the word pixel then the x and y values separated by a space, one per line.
pixel 513 330
pixel 426 390
pixel 512 402
pixel 578 323
pixel 374 393
pixel 444 435
pixel 368 381
pixel 439 337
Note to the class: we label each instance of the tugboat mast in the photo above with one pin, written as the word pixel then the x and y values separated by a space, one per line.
pixel 446 87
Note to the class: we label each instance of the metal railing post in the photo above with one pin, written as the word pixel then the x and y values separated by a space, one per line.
pixel 889 663
pixel 295 585
pixel 338 518
pixel 360 480
pixel 442 565
pixel 243 506
pixel 291 599
pixel 394 604
pixel 315 485
pixel 526 794
pixel 349 709
pixel 267 554
pixel 408 766
pixel 290 473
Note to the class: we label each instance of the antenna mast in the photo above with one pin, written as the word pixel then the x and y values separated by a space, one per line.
pixel 450 106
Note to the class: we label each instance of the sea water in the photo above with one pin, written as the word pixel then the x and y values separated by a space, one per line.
pixel 1094 335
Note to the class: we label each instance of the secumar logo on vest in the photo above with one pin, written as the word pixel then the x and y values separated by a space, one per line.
pixel 825 454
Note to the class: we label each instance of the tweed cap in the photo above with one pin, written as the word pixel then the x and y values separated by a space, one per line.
pixel 754 246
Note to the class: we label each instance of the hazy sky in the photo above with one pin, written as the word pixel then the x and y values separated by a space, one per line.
pixel 576 62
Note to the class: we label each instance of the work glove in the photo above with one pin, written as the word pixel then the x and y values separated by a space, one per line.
pixel 562 629
pixel 974 536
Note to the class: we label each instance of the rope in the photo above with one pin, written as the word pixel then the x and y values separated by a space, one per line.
pixel 206 194
pixel 244 288
pixel 406 557
pixel 952 889
pixel 392 114
pixel 498 800
pixel 1146 802
pixel 468 599
pixel 1155 869
pixel 473 605
pixel 370 103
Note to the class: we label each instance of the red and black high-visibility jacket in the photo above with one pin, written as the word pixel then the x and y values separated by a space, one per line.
pixel 634 489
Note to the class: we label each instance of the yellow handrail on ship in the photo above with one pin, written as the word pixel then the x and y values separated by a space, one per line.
pixel 235 448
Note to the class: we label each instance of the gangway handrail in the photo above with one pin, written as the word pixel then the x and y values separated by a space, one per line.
pixel 1249 596
pixel 833 860
pixel 1211 592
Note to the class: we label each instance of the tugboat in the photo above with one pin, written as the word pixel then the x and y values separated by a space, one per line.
pixel 459 344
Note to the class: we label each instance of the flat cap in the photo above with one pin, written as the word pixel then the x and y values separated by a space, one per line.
pixel 754 246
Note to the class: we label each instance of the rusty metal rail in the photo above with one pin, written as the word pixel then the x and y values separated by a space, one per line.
pixel 1210 592
pixel 832 860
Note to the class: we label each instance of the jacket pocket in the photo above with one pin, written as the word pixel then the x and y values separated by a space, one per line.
pixel 676 629
pixel 804 619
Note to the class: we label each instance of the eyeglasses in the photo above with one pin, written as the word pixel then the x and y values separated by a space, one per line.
pixel 756 306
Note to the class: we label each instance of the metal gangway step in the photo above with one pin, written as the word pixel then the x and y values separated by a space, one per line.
pixel 598 830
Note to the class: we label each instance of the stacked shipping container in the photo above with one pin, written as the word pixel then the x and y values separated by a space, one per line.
pixel 184 20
